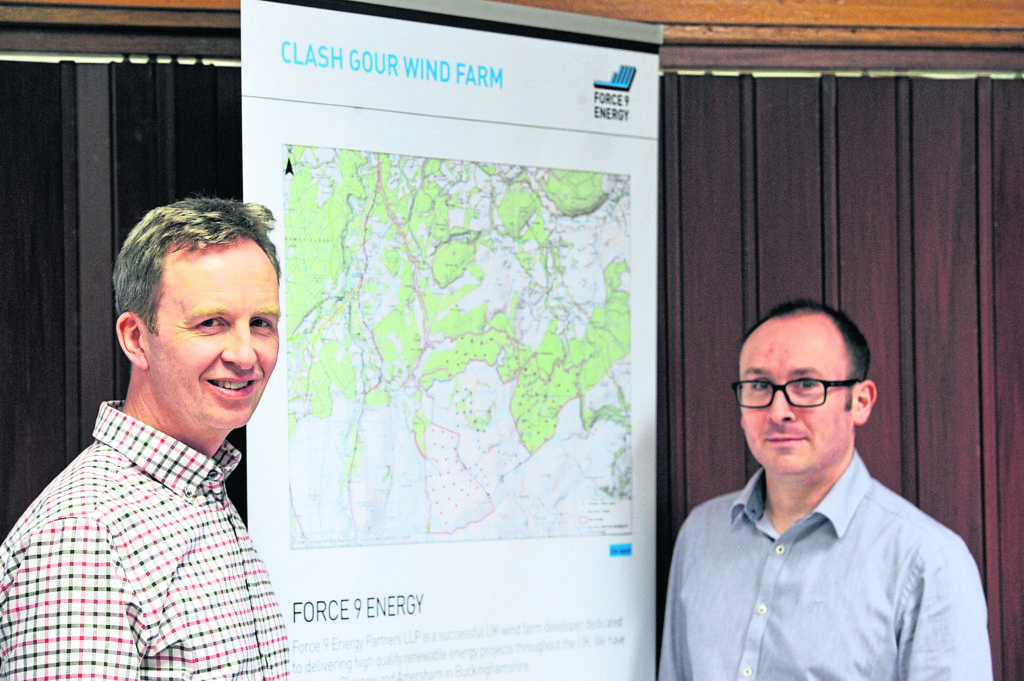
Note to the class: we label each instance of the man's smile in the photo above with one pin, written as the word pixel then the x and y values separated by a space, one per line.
pixel 231 385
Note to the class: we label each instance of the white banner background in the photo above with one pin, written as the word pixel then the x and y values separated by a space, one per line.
pixel 527 609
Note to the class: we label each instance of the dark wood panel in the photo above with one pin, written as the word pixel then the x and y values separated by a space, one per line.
pixel 32 278
pixel 788 167
pixel 97 345
pixel 1008 250
pixel 673 468
pixel 945 306
pixel 868 255
pixel 196 130
pixel 986 366
pixel 712 260
pixel 229 133
pixel 140 155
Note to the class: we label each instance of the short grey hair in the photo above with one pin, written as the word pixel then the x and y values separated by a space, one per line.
pixel 190 224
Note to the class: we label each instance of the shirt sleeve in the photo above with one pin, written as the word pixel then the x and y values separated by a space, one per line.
pixel 943 619
pixel 66 611
pixel 673 639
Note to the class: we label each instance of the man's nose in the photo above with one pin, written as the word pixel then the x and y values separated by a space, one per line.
pixel 780 409
pixel 239 349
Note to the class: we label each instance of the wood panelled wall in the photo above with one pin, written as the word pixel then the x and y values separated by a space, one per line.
pixel 87 149
pixel 900 201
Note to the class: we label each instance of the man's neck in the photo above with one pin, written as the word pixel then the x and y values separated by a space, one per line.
pixel 784 510
pixel 137 404
pixel 790 499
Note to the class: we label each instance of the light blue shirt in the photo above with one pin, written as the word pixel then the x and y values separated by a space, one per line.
pixel 865 587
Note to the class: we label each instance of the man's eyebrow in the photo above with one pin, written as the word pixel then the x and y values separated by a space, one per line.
pixel 203 311
pixel 268 311
pixel 793 373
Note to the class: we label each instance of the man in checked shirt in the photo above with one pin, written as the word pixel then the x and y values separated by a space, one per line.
pixel 133 563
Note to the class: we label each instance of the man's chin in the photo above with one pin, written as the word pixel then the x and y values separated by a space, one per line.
pixel 234 418
pixel 785 447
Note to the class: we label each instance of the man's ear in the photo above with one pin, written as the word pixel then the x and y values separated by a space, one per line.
pixel 131 331
pixel 864 395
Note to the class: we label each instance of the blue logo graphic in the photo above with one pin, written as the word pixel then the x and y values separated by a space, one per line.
pixel 620 550
pixel 622 80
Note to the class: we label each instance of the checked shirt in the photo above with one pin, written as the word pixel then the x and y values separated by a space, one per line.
pixel 133 564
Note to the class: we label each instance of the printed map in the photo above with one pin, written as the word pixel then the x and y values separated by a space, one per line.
pixel 458 350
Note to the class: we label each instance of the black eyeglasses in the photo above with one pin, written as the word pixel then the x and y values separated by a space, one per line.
pixel 800 392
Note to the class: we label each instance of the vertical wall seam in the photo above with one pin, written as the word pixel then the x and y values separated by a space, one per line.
pixel 905 269
pixel 674 294
pixel 69 212
pixel 748 200
pixel 830 262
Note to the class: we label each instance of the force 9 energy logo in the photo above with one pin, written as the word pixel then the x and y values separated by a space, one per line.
pixel 611 97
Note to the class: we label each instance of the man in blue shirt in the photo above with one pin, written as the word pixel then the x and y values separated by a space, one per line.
pixel 815 570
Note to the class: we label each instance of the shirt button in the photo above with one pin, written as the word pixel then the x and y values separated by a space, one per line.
pixel 780 549
pixel 762 609
pixel 748 672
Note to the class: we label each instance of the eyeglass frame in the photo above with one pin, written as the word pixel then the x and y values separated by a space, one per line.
pixel 785 393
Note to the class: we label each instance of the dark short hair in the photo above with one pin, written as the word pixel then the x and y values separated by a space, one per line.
pixel 856 344
pixel 189 224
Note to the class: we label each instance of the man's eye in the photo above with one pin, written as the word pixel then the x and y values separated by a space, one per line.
pixel 261 323
pixel 760 386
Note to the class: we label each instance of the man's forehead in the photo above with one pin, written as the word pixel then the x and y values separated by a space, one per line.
pixel 200 284
pixel 804 339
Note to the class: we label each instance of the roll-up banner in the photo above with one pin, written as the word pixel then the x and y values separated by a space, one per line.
pixel 452 472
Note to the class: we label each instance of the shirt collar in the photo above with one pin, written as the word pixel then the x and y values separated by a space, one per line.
pixel 842 501
pixel 750 500
pixel 837 507
pixel 161 457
